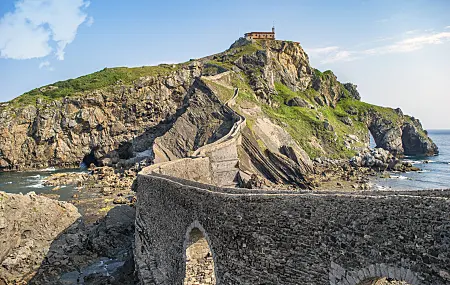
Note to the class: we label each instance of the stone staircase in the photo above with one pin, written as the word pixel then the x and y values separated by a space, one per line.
pixel 216 163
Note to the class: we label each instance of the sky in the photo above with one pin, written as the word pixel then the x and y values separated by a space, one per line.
pixel 397 52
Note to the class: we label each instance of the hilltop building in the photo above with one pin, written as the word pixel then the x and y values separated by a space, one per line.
pixel 261 35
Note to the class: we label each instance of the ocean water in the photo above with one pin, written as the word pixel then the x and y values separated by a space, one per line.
pixel 435 172
pixel 25 182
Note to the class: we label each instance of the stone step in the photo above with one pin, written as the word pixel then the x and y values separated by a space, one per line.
pixel 226 165
pixel 225 178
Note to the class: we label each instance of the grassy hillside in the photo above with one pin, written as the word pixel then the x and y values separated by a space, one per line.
pixel 104 78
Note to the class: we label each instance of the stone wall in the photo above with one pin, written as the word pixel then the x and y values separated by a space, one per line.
pixel 287 237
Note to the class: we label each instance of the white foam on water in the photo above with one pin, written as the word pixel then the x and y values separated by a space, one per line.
pixel 39 185
pixel 47 169
pixel 414 161
pixel 423 171
pixel 381 187
pixel 34 176
pixel 401 177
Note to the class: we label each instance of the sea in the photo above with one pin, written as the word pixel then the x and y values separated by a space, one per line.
pixel 33 181
pixel 435 170
pixel 434 174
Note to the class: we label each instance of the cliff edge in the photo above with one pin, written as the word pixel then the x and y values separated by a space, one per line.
pixel 125 117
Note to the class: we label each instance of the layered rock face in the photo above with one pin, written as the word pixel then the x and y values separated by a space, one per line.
pixel 167 115
pixel 28 226
pixel 114 126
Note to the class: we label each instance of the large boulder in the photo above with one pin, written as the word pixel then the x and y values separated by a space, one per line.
pixel 28 226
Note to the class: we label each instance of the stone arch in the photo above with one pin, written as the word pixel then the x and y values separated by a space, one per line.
pixel 199 259
pixel 371 274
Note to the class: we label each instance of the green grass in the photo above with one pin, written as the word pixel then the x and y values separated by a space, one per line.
pixel 366 108
pixel 97 80
pixel 227 58
pixel 305 123
pixel 224 93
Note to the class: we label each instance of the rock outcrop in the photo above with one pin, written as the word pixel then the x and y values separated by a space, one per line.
pixel 400 135
pixel 97 253
pixel 114 126
pixel 28 226
pixel 128 117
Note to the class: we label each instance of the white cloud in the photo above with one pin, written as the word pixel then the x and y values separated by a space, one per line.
pixel 90 21
pixel 37 28
pixel 410 44
pixel 331 54
pixel 324 50
pixel 448 27
pixel 44 64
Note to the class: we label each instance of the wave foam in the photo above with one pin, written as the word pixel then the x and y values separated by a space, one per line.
pixel 401 177
pixel 381 187
pixel 47 169
pixel 34 176
pixel 39 185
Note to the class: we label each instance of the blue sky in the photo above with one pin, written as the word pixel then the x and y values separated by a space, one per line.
pixel 397 52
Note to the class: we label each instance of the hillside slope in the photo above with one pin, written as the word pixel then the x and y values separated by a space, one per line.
pixel 120 116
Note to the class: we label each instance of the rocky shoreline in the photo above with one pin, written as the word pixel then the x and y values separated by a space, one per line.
pixel 94 245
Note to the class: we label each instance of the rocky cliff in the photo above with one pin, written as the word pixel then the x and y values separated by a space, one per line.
pixel 122 117
pixel 108 121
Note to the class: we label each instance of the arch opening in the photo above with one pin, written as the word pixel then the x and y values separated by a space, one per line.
pixel 89 159
pixel 199 260
pixel 383 281
pixel 372 142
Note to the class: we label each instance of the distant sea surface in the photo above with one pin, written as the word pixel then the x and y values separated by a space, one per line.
pixel 434 175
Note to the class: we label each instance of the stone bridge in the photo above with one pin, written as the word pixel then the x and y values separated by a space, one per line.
pixel 292 237
pixel 191 232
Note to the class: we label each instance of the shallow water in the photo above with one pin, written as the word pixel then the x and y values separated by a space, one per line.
pixel 434 175
pixel 24 182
